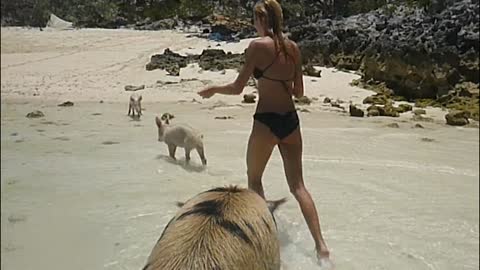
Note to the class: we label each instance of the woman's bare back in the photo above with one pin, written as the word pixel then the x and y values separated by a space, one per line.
pixel 275 95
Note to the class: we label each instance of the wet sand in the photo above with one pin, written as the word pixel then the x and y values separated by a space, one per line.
pixel 87 187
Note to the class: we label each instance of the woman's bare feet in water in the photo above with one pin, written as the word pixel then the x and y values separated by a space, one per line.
pixel 323 259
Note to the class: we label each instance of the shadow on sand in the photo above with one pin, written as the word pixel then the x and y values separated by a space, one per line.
pixel 181 162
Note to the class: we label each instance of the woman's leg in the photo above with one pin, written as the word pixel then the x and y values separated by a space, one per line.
pixel 259 150
pixel 291 151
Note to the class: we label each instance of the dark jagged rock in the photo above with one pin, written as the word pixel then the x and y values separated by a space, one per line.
pixel 373 111
pixel 356 112
pixel 335 104
pixel 211 59
pixel 66 104
pixel 249 98
pixel 303 100
pixel 173 70
pixel 393 125
pixel 457 118
pixel 35 114
pixel 167 60
pixel 387 110
pixel 378 99
pixel 134 87
pixel 309 70
pixel 418 54
pixel 214 59
pixel 224 28
pixel 402 108
pixel 224 117
pixel 419 112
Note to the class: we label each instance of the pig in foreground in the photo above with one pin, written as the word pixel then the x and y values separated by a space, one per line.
pixel 226 228
pixel 180 136
pixel 135 105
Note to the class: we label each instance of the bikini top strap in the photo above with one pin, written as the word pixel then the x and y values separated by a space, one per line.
pixel 273 62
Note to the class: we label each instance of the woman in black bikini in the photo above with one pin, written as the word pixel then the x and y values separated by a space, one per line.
pixel 269 59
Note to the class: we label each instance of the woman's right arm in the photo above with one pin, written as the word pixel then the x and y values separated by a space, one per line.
pixel 298 81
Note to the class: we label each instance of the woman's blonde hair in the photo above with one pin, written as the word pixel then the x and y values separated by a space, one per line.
pixel 271 12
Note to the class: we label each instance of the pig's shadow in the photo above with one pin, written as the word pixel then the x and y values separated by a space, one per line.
pixel 134 118
pixel 190 167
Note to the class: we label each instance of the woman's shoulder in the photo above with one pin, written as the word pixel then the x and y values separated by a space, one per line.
pixel 293 47
pixel 291 43
pixel 260 43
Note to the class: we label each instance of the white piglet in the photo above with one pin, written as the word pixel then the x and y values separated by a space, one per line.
pixel 135 105
pixel 180 136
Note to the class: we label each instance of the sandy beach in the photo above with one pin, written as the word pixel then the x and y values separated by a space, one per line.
pixel 87 187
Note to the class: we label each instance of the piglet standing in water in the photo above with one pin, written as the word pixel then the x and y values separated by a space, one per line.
pixel 135 105
pixel 180 136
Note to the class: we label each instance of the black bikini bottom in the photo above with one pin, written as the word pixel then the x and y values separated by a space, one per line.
pixel 281 125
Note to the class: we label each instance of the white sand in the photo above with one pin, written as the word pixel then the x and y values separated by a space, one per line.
pixel 387 199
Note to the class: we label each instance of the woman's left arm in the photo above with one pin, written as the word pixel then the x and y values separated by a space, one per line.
pixel 237 86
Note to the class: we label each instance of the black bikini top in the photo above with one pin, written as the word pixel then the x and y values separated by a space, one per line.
pixel 258 73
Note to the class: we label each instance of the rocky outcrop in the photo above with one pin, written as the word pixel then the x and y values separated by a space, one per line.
pixel 213 59
pixel 465 97
pixel 169 61
pixel 210 59
pixel 457 118
pixel 224 28
pixel 417 54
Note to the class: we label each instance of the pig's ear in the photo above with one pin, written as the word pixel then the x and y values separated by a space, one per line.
pixel 273 205
pixel 158 121
pixel 179 204
pixel 140 98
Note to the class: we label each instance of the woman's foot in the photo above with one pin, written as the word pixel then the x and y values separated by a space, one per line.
pixel 323 259
pixel 322 251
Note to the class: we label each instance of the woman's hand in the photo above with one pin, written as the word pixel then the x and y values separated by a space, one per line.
pixel 207 92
